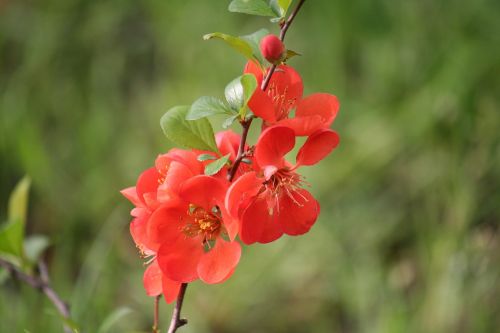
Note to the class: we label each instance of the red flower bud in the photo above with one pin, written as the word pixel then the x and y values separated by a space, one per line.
pixel 272 48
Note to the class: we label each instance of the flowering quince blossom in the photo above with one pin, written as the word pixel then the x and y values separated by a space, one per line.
pixel 284 93
pixel 159 187
pixel 271 200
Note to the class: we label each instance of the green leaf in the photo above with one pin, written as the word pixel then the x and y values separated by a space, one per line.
pixel 214 167
pixel 11 240
pixel 291 53
pixel 206 157
pixel 239 91
pixel 196 134
pixel 253 40
pixel 34 246
pixel 236 43
pixel 113 318
pixel 229 121
pixel 252 7
pixel 18 201
pixel 207 106
pixel 280 7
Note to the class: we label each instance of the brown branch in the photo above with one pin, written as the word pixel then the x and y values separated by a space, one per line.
pixel 241 149
pixel 156 321
pixel 176 321
pixel 41 283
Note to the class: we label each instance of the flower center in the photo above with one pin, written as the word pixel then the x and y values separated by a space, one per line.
pixel 282 104
pixel 284 182
pixel 203 223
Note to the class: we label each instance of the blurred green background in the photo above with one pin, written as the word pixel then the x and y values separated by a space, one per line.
pixel 408 236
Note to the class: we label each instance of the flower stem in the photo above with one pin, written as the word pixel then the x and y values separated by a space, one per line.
pixel 245 124
pixel 156 321
pixel 42 284
pixel 176 321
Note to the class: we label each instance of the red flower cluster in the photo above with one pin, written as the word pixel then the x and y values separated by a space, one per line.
pixel 187 223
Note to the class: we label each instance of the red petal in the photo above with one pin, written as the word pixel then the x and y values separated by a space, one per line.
pixel 185 157
pixel 286 84
pixel 218 264
pixel 138 230
pixel 152 279
pixel 203 191
pixel 166 223
pixel 273 144
pixel 131 194
pixel 228 142
pixel 176 175
pixel 170 289
pixel 147 183
pixel 262 106
pixel 257 225
pixel 230 223
pixel 317 147
pixel 179 261
pixel 243 189
pixel 252 68
pixel 298 214
pixel 313 112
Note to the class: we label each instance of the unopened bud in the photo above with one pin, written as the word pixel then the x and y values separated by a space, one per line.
pixel 272 49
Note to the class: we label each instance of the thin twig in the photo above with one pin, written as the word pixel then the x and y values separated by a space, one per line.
pixel 176 321
pixel 241 149
pixel 42 284
pixel 156 322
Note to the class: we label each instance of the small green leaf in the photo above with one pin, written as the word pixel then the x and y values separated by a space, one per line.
pixel 214 167
pixel 113 318
pixel 252 7
pixel 229 121
pixel 236 43
pixel 196 134
pixel 206 157
pixel 207 106
pixel 239 91
pixel 291 53
pixel 34 246
pixel 18 201
pixel 11 240
pixel 284 4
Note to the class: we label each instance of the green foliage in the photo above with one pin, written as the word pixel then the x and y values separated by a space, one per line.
pixel 18 201
pixel 274 8
pixel 214 167
pixel 252 7
pixel 12 232
pixel 207 106
pixel 34 246
pixel 196 134
pixel 113 318
pixel 206 157
pixel 237 43
pixel 239 91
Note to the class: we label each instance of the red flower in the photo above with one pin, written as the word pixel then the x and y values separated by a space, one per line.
pixel 191 231
pixel 155 283
pixel 283 94
pixel 271 200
